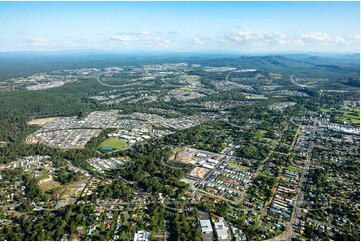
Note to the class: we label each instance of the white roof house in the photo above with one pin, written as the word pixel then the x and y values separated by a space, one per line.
pixel 221 230
pixel 206 226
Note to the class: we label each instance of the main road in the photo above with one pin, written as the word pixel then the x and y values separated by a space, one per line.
pixel 289 233
pixel 291 79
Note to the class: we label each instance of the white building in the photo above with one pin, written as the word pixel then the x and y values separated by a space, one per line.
pixel 206 226
pixel 221 230
pixel 141 236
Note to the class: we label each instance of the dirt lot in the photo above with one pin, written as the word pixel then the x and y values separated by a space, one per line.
pixel 185 155
pixel 225 179
pixel 199 172
pixel 41 121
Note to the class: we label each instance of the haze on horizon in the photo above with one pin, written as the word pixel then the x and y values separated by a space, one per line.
pixel 238 27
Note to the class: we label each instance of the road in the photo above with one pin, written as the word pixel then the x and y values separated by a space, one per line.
pixel 150 129
pixel 234 125
pixel 228 75
pixel 300 85
pixel 289 233
pixel 167 83
pixel 260 167
pixel 264 209
pixel 172 167
pixel 291 79
pixel 106 84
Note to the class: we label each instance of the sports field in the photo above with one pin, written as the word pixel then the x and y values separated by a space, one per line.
pixel 115 143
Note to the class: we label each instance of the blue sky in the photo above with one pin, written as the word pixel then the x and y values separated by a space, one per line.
pixel 242 27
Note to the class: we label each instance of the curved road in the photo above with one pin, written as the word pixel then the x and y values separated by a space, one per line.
pixel 297 84
pixel 173 167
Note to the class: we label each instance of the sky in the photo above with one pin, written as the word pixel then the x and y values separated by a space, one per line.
pixel 240 27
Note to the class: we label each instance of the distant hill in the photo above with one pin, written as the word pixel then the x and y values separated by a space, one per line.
pixel 16 64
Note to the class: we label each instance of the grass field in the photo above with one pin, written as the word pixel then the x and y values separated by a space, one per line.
pixel 186 89
pixel 294 169
pixel 115 143
pixel 44 174
pixel 275 75
pixel 188 181
pixel 245 168
pixel 49 185
pixel 344 115
pixel 189 78
pixel 260 133
pixel 68 191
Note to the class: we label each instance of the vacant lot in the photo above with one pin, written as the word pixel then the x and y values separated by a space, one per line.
pixel 234 165
pixel 41 121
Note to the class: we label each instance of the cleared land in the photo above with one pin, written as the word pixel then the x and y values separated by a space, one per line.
pixel 199 172
pixel 41 121
pixel 49 185
pixel 244 168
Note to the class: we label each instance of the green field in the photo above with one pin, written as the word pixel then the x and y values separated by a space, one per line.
pixel 275 75
pixel 344 115
pixel 44 174
pixel 188 181
pixel 189 78
pixel 245 168
pixel 115 143
pixel 186 89
pixel 294 169
pixel 260 133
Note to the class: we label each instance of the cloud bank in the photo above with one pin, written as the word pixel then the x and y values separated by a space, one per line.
pixel 172 40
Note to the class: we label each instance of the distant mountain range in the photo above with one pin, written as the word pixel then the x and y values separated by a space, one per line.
pixel 342 66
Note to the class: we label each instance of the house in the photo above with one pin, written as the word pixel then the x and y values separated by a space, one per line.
pixel 221 230
pixel 126 137
pixel 206 226
pixel 208 166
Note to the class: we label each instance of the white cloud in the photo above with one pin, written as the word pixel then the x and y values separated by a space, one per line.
pixel 318 37
pixel 256 38
pixel 39 42
pixel 279 38
pixel 236 40
pixel 172 32
pixel 198 41
pixel 145 38
pixel 42 42
pixel 324 38
pixel 125 39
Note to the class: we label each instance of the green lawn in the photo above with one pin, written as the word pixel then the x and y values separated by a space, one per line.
pixel 188 181
pixel 275 75
pixel 186 89
pixel 291 168
pixel 115 143
pixel 260 133
pixel 344 115
pixel 325 110
pixel 245 168
pixel 189 78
